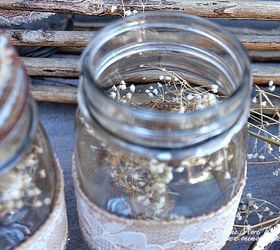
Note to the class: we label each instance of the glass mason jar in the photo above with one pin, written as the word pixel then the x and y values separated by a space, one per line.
pixel 161 125
pixel 27 166
pixel 26 20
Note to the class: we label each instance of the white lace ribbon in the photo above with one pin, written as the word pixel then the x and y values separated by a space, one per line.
pixel 105 231
pixel 52 235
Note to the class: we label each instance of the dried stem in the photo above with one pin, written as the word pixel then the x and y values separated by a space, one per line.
pixel 249 228
pixel 270 141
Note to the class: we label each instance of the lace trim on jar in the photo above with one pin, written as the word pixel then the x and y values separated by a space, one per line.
pixel 109 232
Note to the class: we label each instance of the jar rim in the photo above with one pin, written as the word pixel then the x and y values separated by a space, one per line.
pixel 108 32
pixel 90 94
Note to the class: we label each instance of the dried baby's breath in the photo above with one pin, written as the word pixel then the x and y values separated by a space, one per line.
pixel 172 93
pixel 17 187
pixel 266 144
pixel 254 216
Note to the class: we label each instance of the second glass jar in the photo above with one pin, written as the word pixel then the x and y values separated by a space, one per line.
pixel 161 126
pixel 28 170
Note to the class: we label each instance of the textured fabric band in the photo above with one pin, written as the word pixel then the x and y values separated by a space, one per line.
pixel 10 17
pixel 105 231
pixel 53 234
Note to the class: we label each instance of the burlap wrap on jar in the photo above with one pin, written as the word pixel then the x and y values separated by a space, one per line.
pixel 105 231
pixel 53 234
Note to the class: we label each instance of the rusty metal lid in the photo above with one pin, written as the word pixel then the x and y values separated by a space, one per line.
pixel 10 17
pixel 14 87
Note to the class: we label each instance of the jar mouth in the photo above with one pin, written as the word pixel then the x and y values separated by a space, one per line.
pixel 227 47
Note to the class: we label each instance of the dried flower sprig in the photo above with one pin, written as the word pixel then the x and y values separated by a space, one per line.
pixel 266 143
pixel 144 183
pixel 171 89
pixel 255 214
pixel 122 93
pixel 17 188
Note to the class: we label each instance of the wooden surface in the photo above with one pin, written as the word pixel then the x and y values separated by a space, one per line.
pixel 261 38
pixel 252 40
pixel 254 9
pixel 58 121
pixel 69 67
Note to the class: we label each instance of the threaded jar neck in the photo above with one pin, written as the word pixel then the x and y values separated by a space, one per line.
pixel 139 51
pixel 17 112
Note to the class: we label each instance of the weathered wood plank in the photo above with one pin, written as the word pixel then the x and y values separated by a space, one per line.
pixel 264 56
pixel 54 93
pixel 93 25
pixel 215 9
pixel 61 67
pixel 55 67
pixel 71 50
pixel 96 25
pixel 252 41
pixel 264 72
pixel 50 38
pixel 260 42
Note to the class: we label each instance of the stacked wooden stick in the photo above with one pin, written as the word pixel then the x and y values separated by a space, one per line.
pixel 263 46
